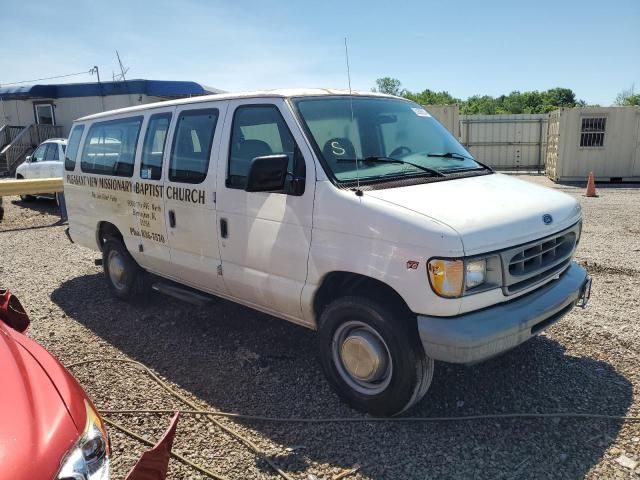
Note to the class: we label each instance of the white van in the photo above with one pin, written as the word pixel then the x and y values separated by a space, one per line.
pixel 357 215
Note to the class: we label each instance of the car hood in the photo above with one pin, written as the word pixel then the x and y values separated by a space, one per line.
pixel 489 212
pixel 36 428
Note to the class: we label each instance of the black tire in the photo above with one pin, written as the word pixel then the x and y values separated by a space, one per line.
pixel 129 282
pixel 411 370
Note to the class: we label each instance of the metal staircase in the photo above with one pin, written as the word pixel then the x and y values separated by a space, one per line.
pixel 16 142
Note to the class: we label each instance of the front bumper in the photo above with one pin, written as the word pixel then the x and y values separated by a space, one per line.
pixel 480 335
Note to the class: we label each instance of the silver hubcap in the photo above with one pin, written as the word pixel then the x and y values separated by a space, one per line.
pixel 362 357
pixel 117 273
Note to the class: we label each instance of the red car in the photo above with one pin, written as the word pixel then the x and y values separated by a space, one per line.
pixel 49 428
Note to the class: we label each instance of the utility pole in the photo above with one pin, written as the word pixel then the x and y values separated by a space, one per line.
pixel 96 71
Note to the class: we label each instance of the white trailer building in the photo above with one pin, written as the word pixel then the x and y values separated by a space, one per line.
pixel 605 141
pixel 32 113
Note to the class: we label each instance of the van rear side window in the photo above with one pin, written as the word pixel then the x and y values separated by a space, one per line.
pixel 72 150
pixel 153 148
pixel 110 147
pixel 192 145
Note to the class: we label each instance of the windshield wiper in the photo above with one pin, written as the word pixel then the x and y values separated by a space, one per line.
pixel 456 155
pixel 460 156
pixel 374 159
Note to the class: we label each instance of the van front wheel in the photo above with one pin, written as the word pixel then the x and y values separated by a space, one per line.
pixel 124 276
pixel 372 356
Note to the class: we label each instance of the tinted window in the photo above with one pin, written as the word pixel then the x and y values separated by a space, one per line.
pixel 39 154
pixel 52 152
pixel 153 148
pixel 110 147
pixel 73 144
pixel 259 130
pixel 192 145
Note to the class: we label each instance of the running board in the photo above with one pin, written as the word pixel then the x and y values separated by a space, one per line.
pixel 183 293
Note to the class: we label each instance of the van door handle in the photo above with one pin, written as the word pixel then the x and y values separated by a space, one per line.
pixel 172 219
pixel 224 230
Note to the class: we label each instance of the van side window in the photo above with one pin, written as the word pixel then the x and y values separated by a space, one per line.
pixel 110 147
pixel 191 147
pixel 153 148
pixel 259 130
pixel 73 146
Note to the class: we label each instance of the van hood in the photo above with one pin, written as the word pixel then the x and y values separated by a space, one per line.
pixel 489 212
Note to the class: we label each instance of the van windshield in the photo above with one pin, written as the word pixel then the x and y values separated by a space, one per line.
pixel 379 138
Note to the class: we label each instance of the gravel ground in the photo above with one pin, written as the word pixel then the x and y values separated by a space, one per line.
pixel 229 358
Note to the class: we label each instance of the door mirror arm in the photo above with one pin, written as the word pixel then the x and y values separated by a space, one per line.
pixel 297 184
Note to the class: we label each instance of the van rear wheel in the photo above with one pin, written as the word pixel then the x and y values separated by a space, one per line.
pixel 124 276
pixel 372 356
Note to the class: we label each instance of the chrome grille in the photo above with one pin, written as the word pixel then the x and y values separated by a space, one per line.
pixel 534 262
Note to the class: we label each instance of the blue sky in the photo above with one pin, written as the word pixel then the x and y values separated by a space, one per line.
pixel 465 47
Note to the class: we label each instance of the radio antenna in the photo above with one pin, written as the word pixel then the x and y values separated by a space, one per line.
pixel 123 69
pixel 346 54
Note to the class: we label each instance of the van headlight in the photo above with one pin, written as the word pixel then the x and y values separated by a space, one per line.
pixel 453 278
pixel 89 457
pixel 475 273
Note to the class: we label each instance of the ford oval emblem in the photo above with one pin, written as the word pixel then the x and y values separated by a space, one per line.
pixel 547 219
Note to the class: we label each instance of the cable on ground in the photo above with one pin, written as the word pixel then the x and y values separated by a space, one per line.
pixel 253 447
pixel 211 415
pixel 173 454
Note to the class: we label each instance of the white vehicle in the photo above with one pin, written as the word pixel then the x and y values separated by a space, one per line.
pixel 357 215
pixel 45 162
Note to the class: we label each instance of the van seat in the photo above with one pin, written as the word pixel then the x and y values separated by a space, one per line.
pixel 250 149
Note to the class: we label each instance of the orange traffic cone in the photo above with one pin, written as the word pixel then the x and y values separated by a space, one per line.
pixel 591 186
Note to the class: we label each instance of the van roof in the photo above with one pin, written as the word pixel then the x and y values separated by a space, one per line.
pixel 280 93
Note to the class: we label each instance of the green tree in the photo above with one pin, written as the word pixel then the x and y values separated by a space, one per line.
pixel 388 85
pixel 520 102
pixel 560 97
pixel 430 97
pixel 627 98
pixel 477 104
pixel 515 102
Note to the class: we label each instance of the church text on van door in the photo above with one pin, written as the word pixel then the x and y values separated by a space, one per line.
pixel 147 211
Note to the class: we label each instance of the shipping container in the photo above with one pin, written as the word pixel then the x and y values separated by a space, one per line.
pixel 602 140
pixel 448 116
pixel 506 142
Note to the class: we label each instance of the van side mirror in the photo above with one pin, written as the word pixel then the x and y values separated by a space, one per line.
pixel 28 159
pixel 267 174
